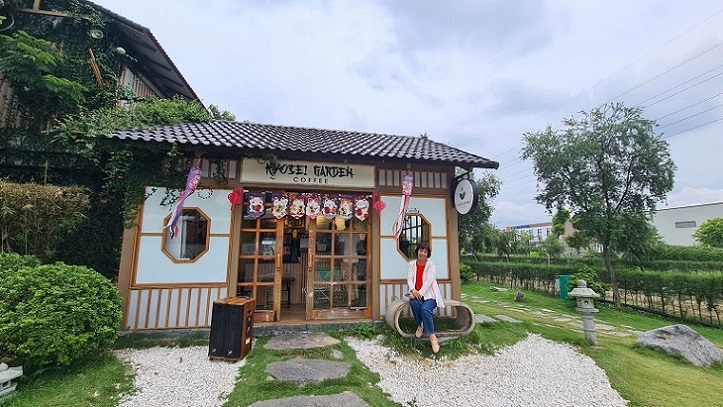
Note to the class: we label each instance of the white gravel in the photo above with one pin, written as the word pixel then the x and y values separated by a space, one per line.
pixel 178 377
pixel 533 372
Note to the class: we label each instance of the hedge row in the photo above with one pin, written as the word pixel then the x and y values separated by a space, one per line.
pixel 690 295
pixel 596 261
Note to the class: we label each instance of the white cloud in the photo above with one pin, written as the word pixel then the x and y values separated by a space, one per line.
pixel 473 74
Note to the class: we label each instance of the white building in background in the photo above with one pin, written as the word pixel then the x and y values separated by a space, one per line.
pixel 677 225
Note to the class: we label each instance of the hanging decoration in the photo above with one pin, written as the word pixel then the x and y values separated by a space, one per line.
pixel 361 208
pixel 236 197
pixel 330 207
pixel 256 204
pixel 313 206
pixel 407 182
pixel 279 205
pixel 297 208
pixel 194 177
pixel 378 204
pixel 346 207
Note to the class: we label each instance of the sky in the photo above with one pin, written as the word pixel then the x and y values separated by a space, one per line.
pixel 476 74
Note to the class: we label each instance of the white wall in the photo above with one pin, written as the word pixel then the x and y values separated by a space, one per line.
pixel 154 267
pixel 665 221
pixel 393 264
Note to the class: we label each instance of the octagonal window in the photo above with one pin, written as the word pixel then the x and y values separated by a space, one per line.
pixel 415 231
pixel 192 240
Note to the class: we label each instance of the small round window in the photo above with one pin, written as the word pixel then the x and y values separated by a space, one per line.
pixel 191 242
pixel 415 231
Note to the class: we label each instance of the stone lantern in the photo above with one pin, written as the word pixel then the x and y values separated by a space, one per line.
pixel 6 375
pixel 585 307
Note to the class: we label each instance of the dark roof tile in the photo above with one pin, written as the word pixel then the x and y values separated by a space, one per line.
pixel 245 135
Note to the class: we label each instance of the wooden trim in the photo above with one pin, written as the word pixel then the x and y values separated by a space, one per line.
pixel 177 285
pixel 125 269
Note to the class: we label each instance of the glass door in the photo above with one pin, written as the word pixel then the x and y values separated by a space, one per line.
pixel 337 275
pixel 260 262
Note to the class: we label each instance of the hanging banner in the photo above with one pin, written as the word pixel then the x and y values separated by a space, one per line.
pixel 313 206
pixel 361 208
pixel 255 204
pixel 279 205
pixel 346 207
pixel 297 207
pixel 330 207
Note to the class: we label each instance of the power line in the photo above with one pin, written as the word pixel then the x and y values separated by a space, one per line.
pixel 689 106
pixel 683 90
pixel 692 116
pixel 692 128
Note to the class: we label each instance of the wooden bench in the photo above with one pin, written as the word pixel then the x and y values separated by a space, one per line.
pixel 463 317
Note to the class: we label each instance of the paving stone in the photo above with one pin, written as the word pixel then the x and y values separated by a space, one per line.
pixel 346 399
pixel 303 371
pixel 481 319
pixel 507 319
pixel 301 341
pixel 547 310
pixel 539 314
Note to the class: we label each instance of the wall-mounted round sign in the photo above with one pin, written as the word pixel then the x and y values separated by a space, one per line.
pixel 466 196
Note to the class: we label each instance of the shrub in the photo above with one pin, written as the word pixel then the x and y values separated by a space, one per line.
pixel 10 262
pixel 56 314
pixel 465 273
pixel 590 276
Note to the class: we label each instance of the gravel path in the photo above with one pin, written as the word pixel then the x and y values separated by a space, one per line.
pixel 178 377
pixel 533 372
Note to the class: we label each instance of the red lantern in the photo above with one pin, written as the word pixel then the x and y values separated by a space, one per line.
pixel 236 197
pixel 378 204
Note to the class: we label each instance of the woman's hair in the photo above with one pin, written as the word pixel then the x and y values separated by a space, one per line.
pixel 424 245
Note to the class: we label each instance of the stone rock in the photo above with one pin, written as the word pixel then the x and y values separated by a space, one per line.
pixel 682 340
pixel 519 296
pixel 303 371
pixel 346 399
pixel 301 341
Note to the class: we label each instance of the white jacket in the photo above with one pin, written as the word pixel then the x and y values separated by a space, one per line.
pixel 430 287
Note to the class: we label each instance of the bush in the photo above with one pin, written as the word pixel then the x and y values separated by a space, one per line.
pixel 10 262
pixel 591 278
pixel 56 314
pixel 465 273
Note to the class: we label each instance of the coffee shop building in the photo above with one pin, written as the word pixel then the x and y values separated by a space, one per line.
pixel 314 225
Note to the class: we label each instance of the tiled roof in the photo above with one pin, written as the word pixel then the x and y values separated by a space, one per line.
pixel 283 140
pixel 154 62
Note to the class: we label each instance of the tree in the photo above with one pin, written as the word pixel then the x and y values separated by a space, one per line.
pixel 710 233
pixel 553 247
pixel 473 228
pixel 608 167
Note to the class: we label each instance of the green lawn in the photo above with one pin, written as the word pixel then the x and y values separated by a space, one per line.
pixel 644 377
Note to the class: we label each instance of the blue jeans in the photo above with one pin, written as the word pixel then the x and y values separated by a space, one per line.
pixel 423 311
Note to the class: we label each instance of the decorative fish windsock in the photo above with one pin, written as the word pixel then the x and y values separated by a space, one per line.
pixel 194 177
pixel 407 183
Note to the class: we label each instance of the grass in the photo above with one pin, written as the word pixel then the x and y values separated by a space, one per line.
pixel 254 385
pixel 643 376
pixel 647 378
pixel 96 381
